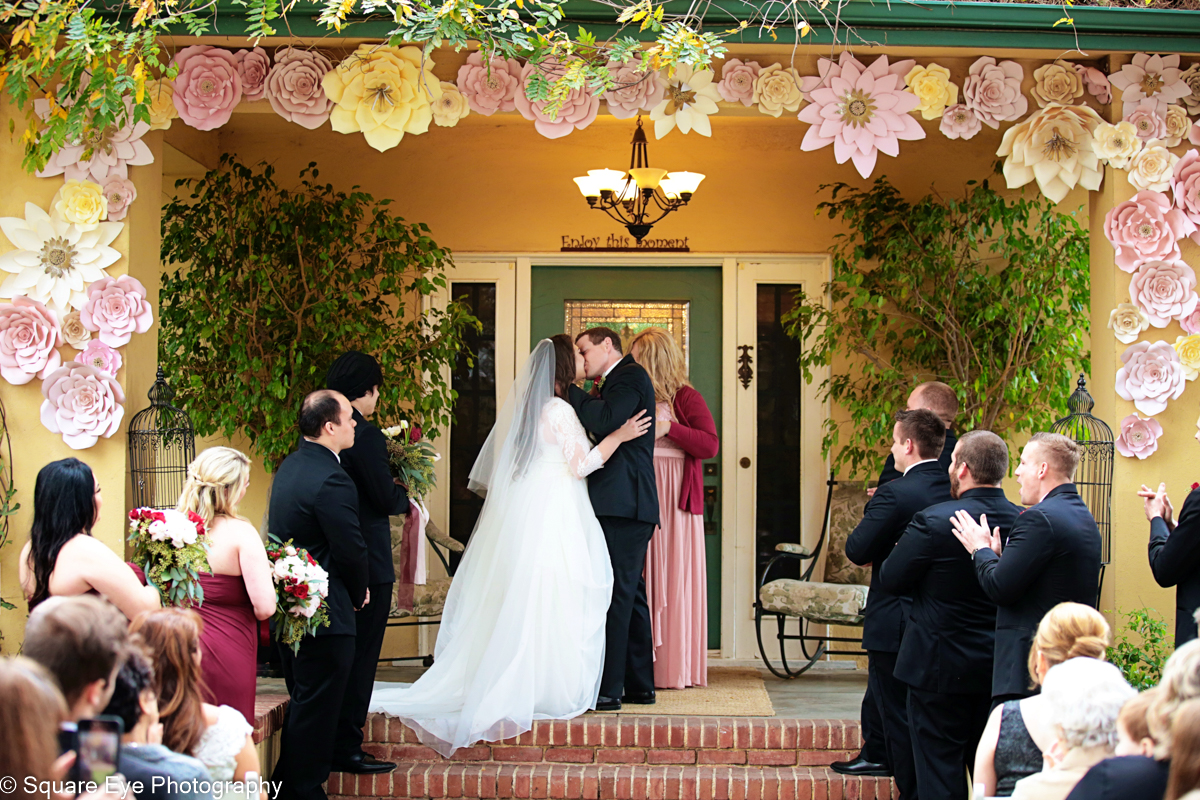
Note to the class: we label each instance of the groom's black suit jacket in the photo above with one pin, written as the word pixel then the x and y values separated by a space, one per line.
pixel 625 487
pixel 315 504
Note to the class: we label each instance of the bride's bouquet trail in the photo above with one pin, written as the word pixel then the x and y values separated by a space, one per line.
pixel 172 549
pixel 301 586
pixel 411 458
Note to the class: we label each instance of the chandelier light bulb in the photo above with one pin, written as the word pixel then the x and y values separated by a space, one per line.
pixel 607 179
pixel 648 177
pixel 667 187
pixel 685 182
pixel 587 186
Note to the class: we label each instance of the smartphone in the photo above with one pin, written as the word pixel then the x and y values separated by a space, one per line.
pixel 97 746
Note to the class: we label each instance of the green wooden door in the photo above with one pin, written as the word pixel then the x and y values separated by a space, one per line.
pixel 552 287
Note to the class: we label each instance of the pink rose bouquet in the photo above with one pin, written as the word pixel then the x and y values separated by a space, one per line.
pixel 117 308
pixel 29 338
pixel 301 586
pixel 172 549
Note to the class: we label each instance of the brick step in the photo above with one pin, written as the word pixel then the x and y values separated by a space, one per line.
pixel 612 782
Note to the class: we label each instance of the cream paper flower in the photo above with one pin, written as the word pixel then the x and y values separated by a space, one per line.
pixel 73 331
pixel 1155 78
pixel 933 89
pixel 450 107
pixel 777 89
pixel 161 94
pixel 1177 126
pixel 691 96
pixel 81 203
pixel 1188 348
pixel 1116 145
pixel 1127 322
pixel 382 92
pixel 1054 147
pixel 1057 83
pixel 1191 79
pixel 1153 167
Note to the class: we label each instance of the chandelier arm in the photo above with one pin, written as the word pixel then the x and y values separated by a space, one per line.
pixel 614 214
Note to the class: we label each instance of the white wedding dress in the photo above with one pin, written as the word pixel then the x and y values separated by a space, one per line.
pixel 522 634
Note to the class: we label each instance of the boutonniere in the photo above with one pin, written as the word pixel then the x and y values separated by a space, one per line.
pixel 1195 486
pixel 599 382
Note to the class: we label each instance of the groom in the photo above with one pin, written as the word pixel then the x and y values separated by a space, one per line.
pixel 625 499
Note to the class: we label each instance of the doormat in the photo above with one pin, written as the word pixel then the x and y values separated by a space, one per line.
pixel 731 692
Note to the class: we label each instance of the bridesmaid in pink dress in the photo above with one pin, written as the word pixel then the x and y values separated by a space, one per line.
pixel 676 582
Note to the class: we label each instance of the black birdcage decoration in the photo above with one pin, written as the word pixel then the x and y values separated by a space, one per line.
pixel 1094 475
pixel 162 442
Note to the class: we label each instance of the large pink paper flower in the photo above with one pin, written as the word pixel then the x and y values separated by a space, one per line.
pixel 993 91
pixel 862 112
pixel 1185 185
pixel 207 87
pixel 294 89
pixel 1139 437
pixel 29 336
pixel 737 81
pixel 1154 78
pixel 490 87
pixel 827 70
pixel 1165 290
pixel 1146 228
pixel 1096 83
pixel 253 67
pixel 1146 120
pixel 117 308
pixel 99 355
pixel 113 150
pixel 1152 375
pixel 577 112
pixel 636 91
pixel 83 404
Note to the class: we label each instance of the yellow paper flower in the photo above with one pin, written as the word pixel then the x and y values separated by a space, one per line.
pixel 1178 125
pixel 933 90
pixel 450 107
pixel 1056 83
pixel 1188 348
pixel 81 203
pixel 161 94
pixel 384 92
pixel 778 89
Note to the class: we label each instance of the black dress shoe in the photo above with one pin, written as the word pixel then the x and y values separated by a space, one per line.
pixel 860 766
pixel 363 764
pixel 639 698
pixel 607 703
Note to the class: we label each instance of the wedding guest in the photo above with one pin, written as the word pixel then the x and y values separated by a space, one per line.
pixel 1184 775
pixel 676 577
pixel 939 398
pixel 945 654
pixel 380 496
pixel 32 709
pixel 1051 556
pixel 1133 726
pixel 1018 732
pixel 61 559
pixel 917 440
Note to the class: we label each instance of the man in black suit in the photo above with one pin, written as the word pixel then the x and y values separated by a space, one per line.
pixel 314 504
pixel 1175 553
pixel 358 377
pixel 625 498
pixel 917 440
pixel 946 654
pixel 1051 556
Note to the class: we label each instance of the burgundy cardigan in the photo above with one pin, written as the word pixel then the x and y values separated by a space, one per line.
pixel 696 433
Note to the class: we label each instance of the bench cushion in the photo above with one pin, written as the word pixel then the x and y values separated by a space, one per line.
pixel 827 603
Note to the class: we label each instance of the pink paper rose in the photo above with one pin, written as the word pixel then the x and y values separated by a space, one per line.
pixel 1185 185
pixel 1152 375
pixel 1139 437
pixel 117 308
pixel 82 403
pixel 1146 228
pixel 1165 290
pixel 119 192
pixel 294 87
pixel 737 81
pixel 490 87
pixel 29 336
pixel 207 87
pixel 1191 322
pixel 253 67
pixel 636 91
pixel 1147 121
pixel 960 122
pixel 99 355
pixel 993 91
pixel 578 110
pixel 1096 83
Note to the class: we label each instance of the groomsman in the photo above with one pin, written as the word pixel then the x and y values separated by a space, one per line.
pixel 917 440
pixel 1175 553
pixel 946 654
pixel 1051 556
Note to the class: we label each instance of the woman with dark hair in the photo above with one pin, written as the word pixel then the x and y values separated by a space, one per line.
pixel 61 558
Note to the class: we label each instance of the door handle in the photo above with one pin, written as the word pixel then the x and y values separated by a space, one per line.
pixel 710 502
pixel 744 462
pixel 745 372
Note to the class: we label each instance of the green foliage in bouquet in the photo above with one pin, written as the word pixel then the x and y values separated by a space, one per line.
pixel 1142 648
pixel 173 569
pixel 412 463
pixel 299 582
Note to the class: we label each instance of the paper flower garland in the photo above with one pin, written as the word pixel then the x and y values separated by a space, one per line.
pixel 1127 322
pixel 207 87
pixel 993 91
pixel 29 338
pixel 382 92
pixel 689 98
pixel 117 308
pixel 1146 228
pixel 450 107
pixel 636 91
pixel 293 87
pixel 1157 79
pixel 490 87
pixel 778 89
pixel 1165 290
pixel 932 87
pixel 737 81
pixel 83 404
pixel 1151 376
pixel 1054 147
pixel 1138 437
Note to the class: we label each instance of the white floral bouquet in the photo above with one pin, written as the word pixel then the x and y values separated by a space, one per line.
pixel 172 549
pixel 411 459
pixel 301 586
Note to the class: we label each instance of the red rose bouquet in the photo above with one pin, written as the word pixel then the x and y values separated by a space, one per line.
pixel 301 586
pixel 173 550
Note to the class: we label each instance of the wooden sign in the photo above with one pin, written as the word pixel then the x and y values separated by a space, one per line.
pixel 616 243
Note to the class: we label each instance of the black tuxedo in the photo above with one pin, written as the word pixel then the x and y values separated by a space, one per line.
pixel 887 515
pixel 1175 561
pixel 1123 777
pixel 890 473
pixel 947 650
pixel 1051 556
pixel 379 497
pixel 314 503
pixel 625 498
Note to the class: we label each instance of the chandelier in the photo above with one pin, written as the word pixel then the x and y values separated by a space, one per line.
pixel 643 195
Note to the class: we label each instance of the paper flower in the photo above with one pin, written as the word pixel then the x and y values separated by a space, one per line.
pixel 384 92
pixel 636 91
pixel 294 88
pixel 450 107
pixel 864 111
pixel 1165 290
pixel 100 356
pixel 1153 167
pixel 1194 134
pixel 960 122
pixel 1191 79
pixel 113 150
pixel 1154 78
pixel 1053 147
pixel 578 110
pixel 1146 228
pixel 1188 348
pixel 83 404
pixel 1127 322
pixel 207 87
pixel 737 81
pixel 1176 126
pixel 73 332
pixel 778 89
pixel 117 308
pixel 1057 83
pixel 933 90
pixel 689 98
pixel 1185 186
pixel 161 94
pixel 1116 145
pixel 118 193
pixel 1138 437
pixel 1096 83
pixel 1146 120
pixel 490 87
pixel 1151 376
pixel 993 91
pixel 29 338
pixel 1191 323
pixel 253 67
pixel 81 203
pixel 54 260
pixel 828 70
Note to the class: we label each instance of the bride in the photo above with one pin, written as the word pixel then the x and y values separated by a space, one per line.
pixel 522 633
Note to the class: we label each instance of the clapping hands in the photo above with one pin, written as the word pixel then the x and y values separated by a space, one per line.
pixel 1158 504
pixel 975 535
